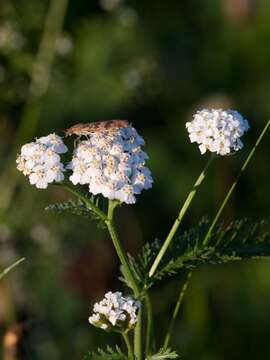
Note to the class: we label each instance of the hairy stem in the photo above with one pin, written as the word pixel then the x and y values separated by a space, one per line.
pixel 227 197
pixel 180 217
pixel 128 344
pixel 176 309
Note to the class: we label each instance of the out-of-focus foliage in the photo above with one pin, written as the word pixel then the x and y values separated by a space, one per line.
pixel 154 63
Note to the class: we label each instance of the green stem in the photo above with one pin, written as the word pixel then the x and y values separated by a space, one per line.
pixel 149 328
pixel 122 256
pixel 11 267
pixel 119 249
pixel 128 344
pixel 180 217
pixel 84 199
pixel 111 207
pixel 176 309
pixel 138 337
pixel 128 274
pixel 227 197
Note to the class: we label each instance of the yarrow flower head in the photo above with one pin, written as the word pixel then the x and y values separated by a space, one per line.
pixel 115 313
pixel 40 160
pixel 112 163
pixel 217 130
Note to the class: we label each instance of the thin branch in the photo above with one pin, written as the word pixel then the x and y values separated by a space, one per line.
pixel 227 197
pixel 176 309
pixel 180 216
pixel 11 267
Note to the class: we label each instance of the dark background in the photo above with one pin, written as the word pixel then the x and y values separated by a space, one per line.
pixel 154 63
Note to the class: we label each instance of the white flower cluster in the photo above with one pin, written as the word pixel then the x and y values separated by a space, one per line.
pixel 115 312
pixel 112 164
pixel 39 160
pixel 217 130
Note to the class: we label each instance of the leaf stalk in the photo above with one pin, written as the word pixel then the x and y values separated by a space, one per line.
pixel 180 216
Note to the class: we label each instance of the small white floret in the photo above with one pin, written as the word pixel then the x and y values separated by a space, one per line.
pixel 115 312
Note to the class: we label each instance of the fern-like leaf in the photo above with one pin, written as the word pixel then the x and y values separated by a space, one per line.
pixel 77 207
pixel 108 354
pixel 163 354
pixel 241 239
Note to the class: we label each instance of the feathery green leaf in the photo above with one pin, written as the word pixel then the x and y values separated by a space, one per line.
pixel 163 354
pixel 240 240
pixel 108 354
pixel 77 207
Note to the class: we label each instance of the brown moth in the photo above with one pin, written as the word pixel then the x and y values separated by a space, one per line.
pixel 84 129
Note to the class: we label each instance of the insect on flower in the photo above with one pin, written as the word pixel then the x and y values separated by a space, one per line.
pixel 84 129
pixel 111 161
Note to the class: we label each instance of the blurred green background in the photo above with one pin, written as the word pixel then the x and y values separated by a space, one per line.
pixel 154 63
